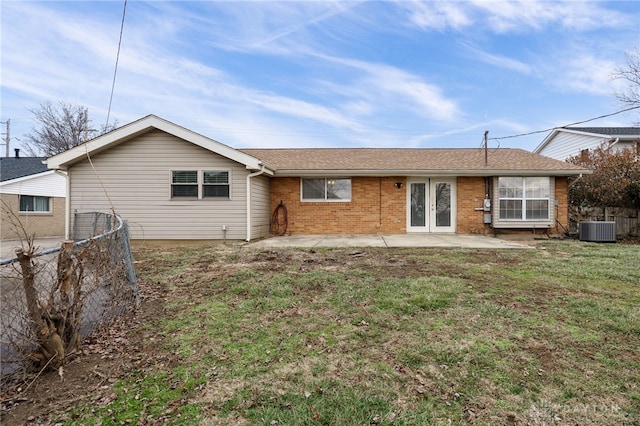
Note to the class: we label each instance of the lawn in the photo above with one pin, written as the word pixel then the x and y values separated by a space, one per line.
pixel 548 335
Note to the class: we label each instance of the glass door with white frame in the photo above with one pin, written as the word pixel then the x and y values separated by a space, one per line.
pixel 431 205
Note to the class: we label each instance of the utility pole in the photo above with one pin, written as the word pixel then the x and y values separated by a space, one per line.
pixel 486 148
pixel 7 138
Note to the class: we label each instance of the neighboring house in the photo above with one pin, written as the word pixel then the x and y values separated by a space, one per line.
pixel 33 195
pixel 171 183
pixel 565 142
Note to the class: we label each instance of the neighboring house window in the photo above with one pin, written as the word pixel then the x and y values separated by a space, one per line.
pixel 524 198
pixel 31 203
pixel 326 189
pixel 195 184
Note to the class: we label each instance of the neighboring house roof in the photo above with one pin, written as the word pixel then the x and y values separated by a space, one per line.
pixel 122 134
pixel 612 132
pixel 14 168
pixel 608 133
pixel 407 161
pixel 29 176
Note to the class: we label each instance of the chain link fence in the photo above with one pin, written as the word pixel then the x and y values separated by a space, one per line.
pixel 103 286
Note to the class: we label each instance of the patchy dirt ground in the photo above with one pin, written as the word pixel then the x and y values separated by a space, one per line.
pixel 128 345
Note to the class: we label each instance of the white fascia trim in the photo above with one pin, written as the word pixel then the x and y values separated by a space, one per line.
pixel 28 177
pixel 546 140
pixel 64 159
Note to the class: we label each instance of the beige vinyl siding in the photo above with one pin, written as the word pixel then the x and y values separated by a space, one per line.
pixel 260 206
pixel 137 177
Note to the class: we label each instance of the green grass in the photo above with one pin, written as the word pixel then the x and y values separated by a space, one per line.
pixel 397 336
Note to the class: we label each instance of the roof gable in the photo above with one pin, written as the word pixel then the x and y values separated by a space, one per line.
pixel 141 126
pixel 14 168
pixel 623 133
pixel 406 161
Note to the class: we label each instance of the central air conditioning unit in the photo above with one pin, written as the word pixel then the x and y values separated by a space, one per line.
pixel 597 232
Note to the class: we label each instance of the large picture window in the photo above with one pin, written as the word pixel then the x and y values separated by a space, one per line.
pixel 326 189
pixel 33 203
pixel 197 185
pixel 524 198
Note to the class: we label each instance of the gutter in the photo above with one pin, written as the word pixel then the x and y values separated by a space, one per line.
pixel 248 199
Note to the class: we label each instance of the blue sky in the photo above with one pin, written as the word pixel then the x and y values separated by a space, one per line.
pixel 324 74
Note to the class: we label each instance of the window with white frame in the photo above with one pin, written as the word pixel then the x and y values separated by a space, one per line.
pixel 33 203
pixel 200 184
pixel 524 198
pixel 326 189
pixel 215 185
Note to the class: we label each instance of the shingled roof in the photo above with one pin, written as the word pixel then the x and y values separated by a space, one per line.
pixel 14 168
pixel 402 161
pixel 609 131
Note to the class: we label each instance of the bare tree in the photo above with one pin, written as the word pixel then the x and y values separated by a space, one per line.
pixel 62 127
pixel 630 73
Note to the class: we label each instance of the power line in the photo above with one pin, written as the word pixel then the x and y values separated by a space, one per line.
pixel 115 71
pixel 566 125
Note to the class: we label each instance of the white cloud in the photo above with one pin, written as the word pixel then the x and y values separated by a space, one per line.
pixel 507 16
pixel 587 74
pixel 388 85
pixel 499 60
pixel 437 15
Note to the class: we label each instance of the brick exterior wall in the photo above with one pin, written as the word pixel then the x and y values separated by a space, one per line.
pixel 38 224
pixel 470 195
pixel 562 211
pixel 378 207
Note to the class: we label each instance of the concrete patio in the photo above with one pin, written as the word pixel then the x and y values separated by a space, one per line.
pixel 406 240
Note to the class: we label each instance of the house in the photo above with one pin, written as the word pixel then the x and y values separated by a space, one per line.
pixel 32 194
pixel 565 142
pixel 173 184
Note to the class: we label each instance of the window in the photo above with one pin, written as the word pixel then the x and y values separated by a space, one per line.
pixel 326 189
pixel 198 185
pixel 524 198
pixel 31 203
pixel 184 184
pixel 216 184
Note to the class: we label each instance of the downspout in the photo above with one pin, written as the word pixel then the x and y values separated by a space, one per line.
pixel 614 142
pixel 249 176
